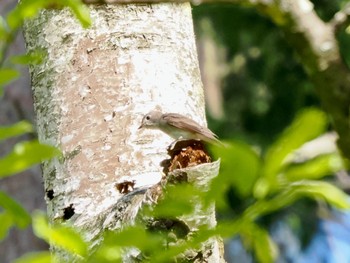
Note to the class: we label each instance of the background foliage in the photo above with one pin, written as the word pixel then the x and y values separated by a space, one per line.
pixel 265 90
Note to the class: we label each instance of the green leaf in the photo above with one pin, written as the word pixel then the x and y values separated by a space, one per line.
pixel 7 75
pixel 24 155
pixel 316 168
pixel 16 129
pixel 228 228
pixel 308 124
pixel 6 223
pixel 259 240
pixel 18 214
pixel 264 247
pixel 294 191
pixel 69 240
pixel 321 190
pixel 179 200
pixel 4 34
pixel 240 166
pixel 131 236
pixel 25 9
pixel 64 237
pixel 80 10
pixel 33 58
pixel 167 255
pixel 108 251
pixel 126 237
pixel 36 257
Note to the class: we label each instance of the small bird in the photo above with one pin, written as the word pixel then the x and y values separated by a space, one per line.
pixel 178 127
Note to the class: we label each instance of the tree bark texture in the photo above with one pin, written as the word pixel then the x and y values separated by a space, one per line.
pixel 315 42
pixel 91 93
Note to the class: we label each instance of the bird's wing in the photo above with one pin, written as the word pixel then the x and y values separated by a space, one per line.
pixel 184 123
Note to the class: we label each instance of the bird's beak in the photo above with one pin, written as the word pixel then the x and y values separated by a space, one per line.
pixel 141 126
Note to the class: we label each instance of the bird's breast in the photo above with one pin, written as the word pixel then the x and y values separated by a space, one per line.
pixel 177 133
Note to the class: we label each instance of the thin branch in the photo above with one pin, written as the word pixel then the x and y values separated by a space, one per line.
pixel 341 19
pixel 313 39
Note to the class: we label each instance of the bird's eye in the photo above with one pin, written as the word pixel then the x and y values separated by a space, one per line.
pixel 148 118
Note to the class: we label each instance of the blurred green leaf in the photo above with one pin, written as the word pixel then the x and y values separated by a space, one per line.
pixel 126 237
pixel 135 236
pixel 7 75
pixel 4 34
pixel 24 9
pixel 24 155
pixel 18 214
pixel 259 240
pixel 202 234
pixel 240 166
pixel 307 125
pixel 6 223
pixel 16 129
pixel 27 9
pixel 294 191
pixel 321 190
pixel 179 200
pixel 264 247
pixel 108 251
pixel 64 237
pixel 31 58
pixel 316 168
pixel 80 10
pixel 36 257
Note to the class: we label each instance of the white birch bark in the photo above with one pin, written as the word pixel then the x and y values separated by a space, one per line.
pixel 91 93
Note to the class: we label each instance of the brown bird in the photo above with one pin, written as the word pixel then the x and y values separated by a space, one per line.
pixel 178 127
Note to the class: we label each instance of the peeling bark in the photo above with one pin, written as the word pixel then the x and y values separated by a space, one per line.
pixel 90 95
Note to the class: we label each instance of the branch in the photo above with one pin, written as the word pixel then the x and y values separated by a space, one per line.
pixel 315 42
pixel 341 19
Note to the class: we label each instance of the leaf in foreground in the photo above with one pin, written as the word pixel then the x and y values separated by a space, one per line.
pixel 24 155
pixel 18 214
pixel 16 129
pixel 37 257
pixel 63 237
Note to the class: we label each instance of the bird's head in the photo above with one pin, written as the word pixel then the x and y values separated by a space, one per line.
pixel 151 120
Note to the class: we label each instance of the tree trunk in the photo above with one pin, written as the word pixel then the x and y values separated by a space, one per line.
pixel 91 93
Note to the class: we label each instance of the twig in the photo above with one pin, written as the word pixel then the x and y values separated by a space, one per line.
pixel 341 19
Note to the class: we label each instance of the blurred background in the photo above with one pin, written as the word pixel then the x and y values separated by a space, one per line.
pixel 254 86
pixel 253 82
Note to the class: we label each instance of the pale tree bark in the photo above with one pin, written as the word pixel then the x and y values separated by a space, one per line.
pixel 90 95
pixel 315 41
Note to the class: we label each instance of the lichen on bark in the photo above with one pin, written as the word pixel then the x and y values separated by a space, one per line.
pixel 90 95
